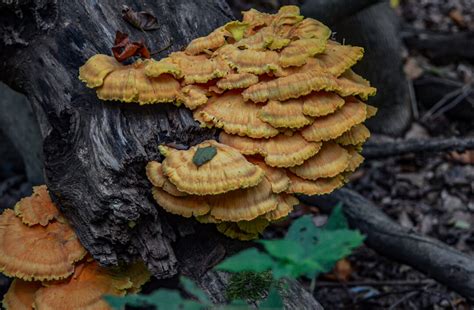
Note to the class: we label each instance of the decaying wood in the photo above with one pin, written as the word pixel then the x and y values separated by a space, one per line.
pixel 95 152
pixel 432 257
pixel 401 147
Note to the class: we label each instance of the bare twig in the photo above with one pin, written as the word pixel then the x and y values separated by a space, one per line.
pixel 378 150
pixel 375 283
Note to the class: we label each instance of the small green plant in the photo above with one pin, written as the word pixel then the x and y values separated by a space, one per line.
pixel 306 251
pixel 248 285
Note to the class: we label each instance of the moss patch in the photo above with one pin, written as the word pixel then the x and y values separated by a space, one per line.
pixel 249 285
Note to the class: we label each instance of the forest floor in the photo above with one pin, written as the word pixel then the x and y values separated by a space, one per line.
pixel 429 193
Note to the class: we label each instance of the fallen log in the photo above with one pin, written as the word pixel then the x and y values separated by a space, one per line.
pixel 430 256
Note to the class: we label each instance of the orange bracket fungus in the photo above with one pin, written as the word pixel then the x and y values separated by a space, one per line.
pixel 290 110
pixel 50 267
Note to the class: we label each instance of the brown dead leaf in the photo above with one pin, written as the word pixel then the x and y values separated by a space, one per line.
pixel 142 20
pixel 466 157
pixel 124 48
pixel 457 17
pixel 341 272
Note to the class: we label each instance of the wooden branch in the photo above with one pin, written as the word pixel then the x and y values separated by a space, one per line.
pixel 379 150
pixel 430 256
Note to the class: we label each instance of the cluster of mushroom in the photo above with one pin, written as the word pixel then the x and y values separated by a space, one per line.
pixel 51 269
pixel 216 184
pixel 285 98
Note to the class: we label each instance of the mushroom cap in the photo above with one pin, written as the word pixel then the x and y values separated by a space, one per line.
pixel 193 96
pixel 287 15
pixel 186 206
pixel 285 206
pixel 199 68
pixel 94 71
pixel 155 68
pixel 228 170
pixel 292 86
pixel 321 103
pixel 129 84
pixel 21 295
pixel 331 160
pixel 298 52
pixel 250 60
pixel 355 160
pixel 280 151
pixel 320 186
pixel 84 290
pixel 138 274
pixel 37 252
pixel 352 84
pixel 38 208
pixel 244 204
pixel 354 136
pixel 233 231
pixel 237 80
pixel 276 176
pixel 155 175
pixel 331 126
pixel 255 226
pixel 231 113
pixel 371 111
pixel 310 28
pixel 338 58
pixel 212 41
pixel 286 114
pixel 256 18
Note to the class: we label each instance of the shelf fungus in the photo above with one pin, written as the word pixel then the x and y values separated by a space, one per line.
pixel 51 269
pixel 290 111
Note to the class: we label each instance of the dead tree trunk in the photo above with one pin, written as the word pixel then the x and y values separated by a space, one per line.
pixel 95 152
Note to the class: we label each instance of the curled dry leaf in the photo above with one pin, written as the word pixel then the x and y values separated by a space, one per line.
pixel 124 48
pixel 142 20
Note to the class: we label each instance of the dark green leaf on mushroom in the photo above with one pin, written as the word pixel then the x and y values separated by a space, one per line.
pixel 203 155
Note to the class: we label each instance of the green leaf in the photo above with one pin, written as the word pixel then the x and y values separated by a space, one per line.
pixel 203 155
pixel 337 219
pixel 303 231
pixel 273 301
pixel 119 302
pixel 334 245
pixel 284 249
pixel 247 260
pixel 194 290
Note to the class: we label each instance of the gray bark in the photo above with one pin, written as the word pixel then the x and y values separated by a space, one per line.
pixel 333 11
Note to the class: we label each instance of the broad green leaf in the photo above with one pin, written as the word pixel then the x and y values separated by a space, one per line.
pixel 119 302
pixel 284 249
pixel 194 290
pixel 247 260
pixel 273 301
pixel 334 245
pixel 336 220
pixel 303 231
pixel 203 155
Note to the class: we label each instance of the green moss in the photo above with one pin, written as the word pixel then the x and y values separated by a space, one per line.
pixel 248 285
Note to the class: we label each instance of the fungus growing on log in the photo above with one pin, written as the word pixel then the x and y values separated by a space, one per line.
pixel 49 265
pixel 289 107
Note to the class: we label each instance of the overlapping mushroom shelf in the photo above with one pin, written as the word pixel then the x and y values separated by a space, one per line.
pixel 50 267
pixel 286 100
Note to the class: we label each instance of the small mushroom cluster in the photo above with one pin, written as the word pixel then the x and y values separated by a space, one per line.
pixel 283 94
pixel 51 269
pixel 215 183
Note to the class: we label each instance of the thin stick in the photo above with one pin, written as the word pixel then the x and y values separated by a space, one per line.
pixel 380 150
pixel 375 283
